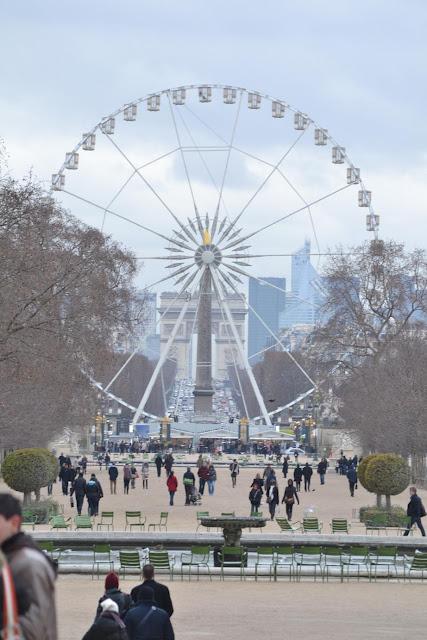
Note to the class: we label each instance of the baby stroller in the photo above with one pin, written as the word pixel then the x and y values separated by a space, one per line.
pixel 195 497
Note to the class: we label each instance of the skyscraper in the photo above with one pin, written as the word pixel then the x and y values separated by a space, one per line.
pixel 269 303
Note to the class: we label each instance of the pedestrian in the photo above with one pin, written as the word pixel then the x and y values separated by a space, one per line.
pixel 203 474
pixel 352 479
pixel 289 498
pixel 189 481
pixel 307 472
pixel 298 477
pixel 31 568
pixel 169 460
pixel 78 488
pixel 158 461
pixel 259 481
pixel 211 479
pixel 146 621
pixel 269 476
pixel 145 472
pixel 83 464
pixel 133 475
pixel 112 591
pixel 172 484
pixel 272 498
pixel 94 494
pixel 64 477
pixel 161 592
pixel 255 495
pixel 126 478
pixel 199 461
pixel 285 468
pixel 108 625
pixel 415 511
pixel 321 469
pixel 113 473
pixel 234 472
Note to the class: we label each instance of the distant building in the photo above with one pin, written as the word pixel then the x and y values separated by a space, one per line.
pixel 269 304
pixel 306 295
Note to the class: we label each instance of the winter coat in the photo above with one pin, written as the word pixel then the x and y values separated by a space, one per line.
pixel 275 498
pixel 255 496
pixel 79 488
pixel 172 483
pixel 123 601
pixel 162 596
pixel 158 462
pixel 352 475
pixel 203 473
pixel 33 569
pixel 188 478
pixel 290 493
pixel 297 474
pixel 307 472
pixel 127 473
pixel 415 507
pixel 321 467
pixel 212 474
pixel 108 626
pixel 285 467
pixel 158 626
pixel 113 472
pixel 94 489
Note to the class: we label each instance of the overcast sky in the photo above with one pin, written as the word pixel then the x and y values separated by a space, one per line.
pixel 358 68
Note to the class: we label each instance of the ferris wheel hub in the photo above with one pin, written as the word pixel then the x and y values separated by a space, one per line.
pixel 207 255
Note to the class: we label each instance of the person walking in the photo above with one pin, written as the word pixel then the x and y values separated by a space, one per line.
pixel 108 625
pixel 113 474
pixel 145 472
pixel 307 472
pixel 79 490
pixel 127 475
pixel 285 468
pixel 30 568
pixel 415 511
pixel 94 494
pixel 172 484
pixel 133 475
pixel 352 479
pixel 259 481
pixel 298 477
pixel 161 592
pixel 64 476
pixel 199 461
pixel 203 474
pixel 169 460
pixel 112 591
pixel 255 495
pixel 321 469
pixel 234 472
pixel 272 498
pixel 211 479
pixel 289 498
pixel 146 620
pixel 158 461
pixel 189 481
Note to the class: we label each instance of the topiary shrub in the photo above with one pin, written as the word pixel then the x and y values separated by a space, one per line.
pixel 28 470
pixel 385 474
pixel 393 517
pixel 43 510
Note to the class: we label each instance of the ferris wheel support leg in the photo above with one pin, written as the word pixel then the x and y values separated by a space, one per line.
pixel 140 409
pixel 243 356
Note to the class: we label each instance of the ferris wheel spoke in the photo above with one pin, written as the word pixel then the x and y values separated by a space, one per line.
pixel 147 183
pixel 262 185
pixel 205 124
pixel 285 217
pixel 227 162
pixel 126 219
pixel 170 276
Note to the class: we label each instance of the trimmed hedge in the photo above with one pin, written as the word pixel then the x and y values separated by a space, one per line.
pixel 43 510
pixel 361 471
pixel 388 474
pixel 28 470
pixel 394 517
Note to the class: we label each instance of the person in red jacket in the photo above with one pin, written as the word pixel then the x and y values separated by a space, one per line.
pixel 172 484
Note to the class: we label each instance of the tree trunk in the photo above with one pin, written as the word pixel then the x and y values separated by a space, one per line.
pixel 418 469
pixel 388 502
pixel 379 501
pixel 37 494
pixel 27 498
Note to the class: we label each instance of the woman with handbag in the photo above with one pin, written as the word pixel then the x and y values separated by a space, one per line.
pixel 289 498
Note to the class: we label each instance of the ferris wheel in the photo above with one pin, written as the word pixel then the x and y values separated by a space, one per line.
pixel 213 182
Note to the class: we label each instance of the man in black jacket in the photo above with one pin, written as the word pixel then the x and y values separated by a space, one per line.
pixel 113 473
pixel 146 620
pixel 307 472
pixel 161 592
pixel 189 481
pixel 79 489
pixel 415 511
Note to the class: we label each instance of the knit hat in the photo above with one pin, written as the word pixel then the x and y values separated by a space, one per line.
pixel 111 581
pixel 109 605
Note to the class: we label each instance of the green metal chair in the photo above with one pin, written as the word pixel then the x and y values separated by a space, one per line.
pixel 306 556
pixel 228 513
pixel 28 519
pixel 163 522
pixel 59 522
pixel 285 525
pixel 107 520
pixel 376 524
pixel 332 559
pixel 417 564
pixel 340 525
pixel 161 561
pixel 101 555
pixel 135 519
pixel 382 557
pixel 197 557
pixel 264 558
pixel 355 557
pixel 83 522
pixel 129 560
pixel 284 557
pixel 199 516
pixel 233 557
pixel 311 525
